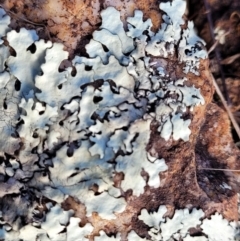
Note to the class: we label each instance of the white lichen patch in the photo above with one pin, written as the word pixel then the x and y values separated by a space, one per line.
pixel 197 238
pixel 69 132
pixel 4 22
pixel 153 219
pixel 25 65
pixel 104 237
pixel 29 233
pixel 132 236
pixel 224 231
pixel 190 50
pixel 130 166
pixel 56 220
pixel 177 227
pixel 170 110
pixel 58 226
pixel 74 232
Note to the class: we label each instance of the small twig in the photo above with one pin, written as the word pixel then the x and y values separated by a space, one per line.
pixel 213 47
pixel 234 122
pixel 218 169
pixel 217 42
pixel 231 59
pixel 217 54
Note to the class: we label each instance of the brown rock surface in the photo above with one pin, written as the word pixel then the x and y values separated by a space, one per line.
pixel 72 22
pixel 185 183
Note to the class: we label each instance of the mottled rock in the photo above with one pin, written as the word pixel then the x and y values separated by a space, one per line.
pixel 154 114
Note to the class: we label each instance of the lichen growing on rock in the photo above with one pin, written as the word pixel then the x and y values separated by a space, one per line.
pixel 74 132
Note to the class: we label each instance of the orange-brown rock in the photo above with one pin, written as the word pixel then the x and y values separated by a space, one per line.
pixel 186 183
pixel 72 22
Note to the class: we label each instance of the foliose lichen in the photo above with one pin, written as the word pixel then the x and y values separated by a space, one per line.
pixel 67 133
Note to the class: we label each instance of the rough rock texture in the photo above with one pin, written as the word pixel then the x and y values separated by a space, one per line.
pixel 211 147
pixel 184 184
pixel 72 22
pixel 216 148
pixel 226 31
